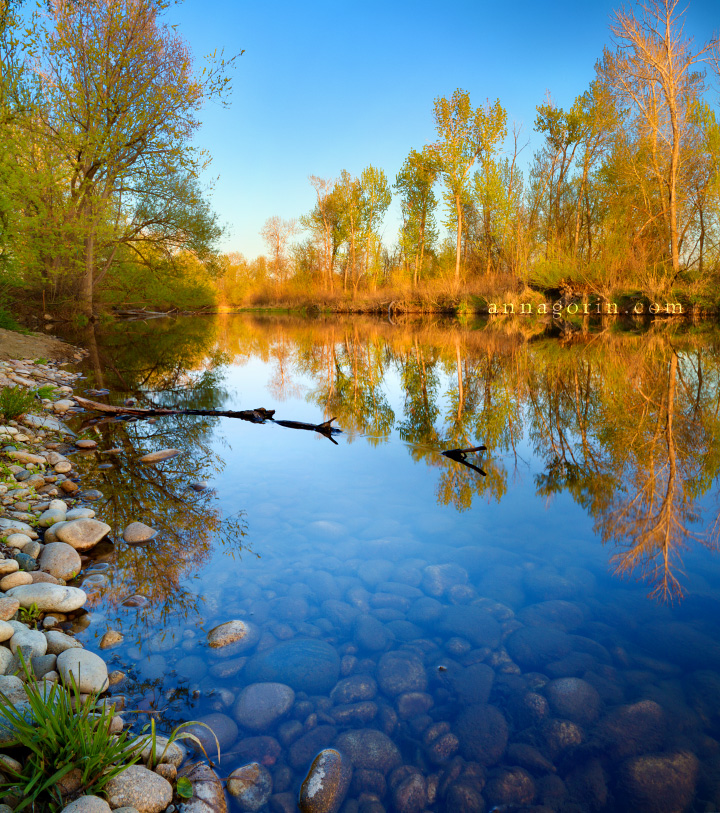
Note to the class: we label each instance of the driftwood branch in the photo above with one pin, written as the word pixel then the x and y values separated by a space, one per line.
pixel 259 415
pixel 460 456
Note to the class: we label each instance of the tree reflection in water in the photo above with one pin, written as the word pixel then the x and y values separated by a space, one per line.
pixel 625 422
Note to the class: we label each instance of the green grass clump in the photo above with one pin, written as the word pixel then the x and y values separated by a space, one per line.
pixel 61 733
pixel 14 401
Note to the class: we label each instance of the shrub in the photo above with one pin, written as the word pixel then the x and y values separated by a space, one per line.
pixel 14 401
pixel 63 733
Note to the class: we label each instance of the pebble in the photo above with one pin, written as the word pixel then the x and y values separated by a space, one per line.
pixel 241 634
pixel 250 786
pixel 87 804
pixel 111 638
pixel 49 597
pixel 60 560
pixel 157 457
pixel 261 705
pixel 86 444
pixel 137 532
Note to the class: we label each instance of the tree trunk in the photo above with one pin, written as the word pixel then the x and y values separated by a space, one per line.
pixel 458 209
pixel 85 294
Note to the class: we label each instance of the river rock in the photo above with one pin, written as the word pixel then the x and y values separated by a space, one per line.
pixel 511 787
pixel 137 532
pixel 50 517
pixel 60 560
pixel 86 444
pixel 49 597
pixel 632 730
pixel 573 699
pixel 87 669
pixel 33 639
pixel 171 753
pixel 534 647
pixel 250 786
pixel 58 642
pixel 18 541
pixel 304 749
pixel 8 607
pixel 324 788
pixel 243 635
pixel 400 672
pixel 84 533
pixel 304 664
pixel 370 749
pixel 144 790
pixel 354 689
pixel 261 705
pixel 208 794
pixel 17 579
pixel 483 733
pixel 87 804
pixel 471 684
pixel 438 579
pixel 26 457
pixel 158 457
pixel 661 783
pixel 410 795
pixel 555 613
pixel 471 622
pixel 371 634
pixel 79 513
pixel 217 724
pixel 8 566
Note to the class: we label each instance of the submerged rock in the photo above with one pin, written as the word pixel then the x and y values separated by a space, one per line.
pixel 242 634
pixel 573 699
pixel 250 786
pixel 371 749
pixel 661 783
pixel 324 788
pixel 83 533
pixel 261 705
pixel 304 664
pixel 137 532
pixel 483 733
pixel 158 457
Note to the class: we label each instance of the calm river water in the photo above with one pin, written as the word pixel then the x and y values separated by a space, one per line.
pixel 545 636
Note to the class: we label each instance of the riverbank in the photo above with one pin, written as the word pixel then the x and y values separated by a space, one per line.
pixel 47 529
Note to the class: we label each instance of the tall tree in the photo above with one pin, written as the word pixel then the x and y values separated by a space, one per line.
pixel 375 200
pixel 654 72
pixel 276 232
pixel 464 133
pixel 120 100
pixel 415 183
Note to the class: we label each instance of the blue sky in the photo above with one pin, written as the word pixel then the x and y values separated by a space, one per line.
pixel 326 86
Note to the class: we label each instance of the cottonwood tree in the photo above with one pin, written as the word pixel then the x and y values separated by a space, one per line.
pixel 276 232
pixel 414 183
pixel 654 73
pixel 464 134
pixel 119 100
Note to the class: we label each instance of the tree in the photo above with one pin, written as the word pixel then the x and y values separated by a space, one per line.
pixel 465 134
pixel 276 232
pixel 119 100
pixel 375 198
pixel 414 183
pixel 654 74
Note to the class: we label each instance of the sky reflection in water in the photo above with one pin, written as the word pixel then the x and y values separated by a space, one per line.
pixel 601 492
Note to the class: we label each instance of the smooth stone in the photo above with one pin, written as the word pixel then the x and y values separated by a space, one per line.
pixel 573 699
pixel 27 457
pixel 137 532
pixel 534 647
pixel 58 642
pixel 438 579
pixel 84 533
pixel 6 631
pixel 87 669
pixel 17 541
pixel 87 804
pixel 326 784
pixel 302 752
pixel 370 749
pixel 470 622
pixel 63 467
pixel 510 787
pixel 173 754
pixel 353 689
pixel 15 580
pixel 8 606
pixel 63 405
pixel 51 533
pixel 261 705
pixel 80 513
pixel 86 444
pixel 411 795
pixel 50 517
pixel 304 664
pixel 60 560
pixel 49 597
pixel 33 639
pixel 143 789
pixel 111 638
pixel 8 566
pixel 371 634
pixel 8 526
pixel 632 730
pixel 208 794
pixel 221 726
pixel 662 783
pixel 242 634
pixel 250 786
pixel 47 422
pixel 483 733
pixel 157 457
pixel 27 562
pixel 5 659
pixel 400 672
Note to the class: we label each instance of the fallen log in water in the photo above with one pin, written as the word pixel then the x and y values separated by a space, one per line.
pixel 259 415
pixel 460 456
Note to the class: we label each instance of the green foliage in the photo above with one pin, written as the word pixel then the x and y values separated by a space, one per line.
pixel 62 733
pixel 46 391
pixel 8 321
pixel 29 615
pixel 14 401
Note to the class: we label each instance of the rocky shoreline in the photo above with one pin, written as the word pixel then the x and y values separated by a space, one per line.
pixel 46 528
